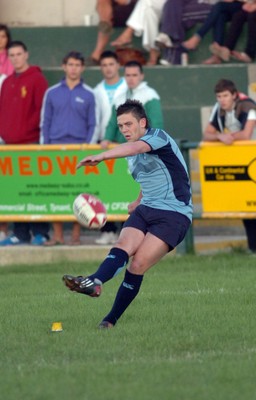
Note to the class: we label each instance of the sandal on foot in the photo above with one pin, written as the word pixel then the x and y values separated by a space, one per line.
pixel 222 52
pixel 241 56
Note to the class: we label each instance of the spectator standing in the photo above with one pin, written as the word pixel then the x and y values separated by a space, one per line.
pixel 6 69
pixel 68 117
pixel 106 92
pixel 233 118
pixel 20 105
pixel 112 13
pixel 137 89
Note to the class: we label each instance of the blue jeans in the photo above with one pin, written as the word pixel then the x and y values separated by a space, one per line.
pixel 220 14
pixel 180 15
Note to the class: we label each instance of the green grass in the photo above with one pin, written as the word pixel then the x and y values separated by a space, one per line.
pixel 190 334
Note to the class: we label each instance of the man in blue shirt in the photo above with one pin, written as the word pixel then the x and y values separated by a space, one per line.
pixel 68 116
pixel 159 217
pixel 68 111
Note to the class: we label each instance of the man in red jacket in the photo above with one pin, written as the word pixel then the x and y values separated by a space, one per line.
pixel 20 105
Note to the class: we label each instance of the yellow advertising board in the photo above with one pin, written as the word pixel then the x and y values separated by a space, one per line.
pixel 228 179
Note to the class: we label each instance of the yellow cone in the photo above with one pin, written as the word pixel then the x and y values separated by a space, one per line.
pixel 57 327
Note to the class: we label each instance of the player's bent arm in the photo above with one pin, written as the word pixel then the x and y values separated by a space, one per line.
pixel 246 133
pixel 126 150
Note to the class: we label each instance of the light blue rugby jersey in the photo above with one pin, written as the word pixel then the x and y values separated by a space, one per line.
pixel 162 174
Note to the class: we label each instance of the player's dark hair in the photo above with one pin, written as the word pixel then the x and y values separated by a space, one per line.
pixel 225 85
pixel 134 107
pixel 134 63
pixel 7 32
pixel 73 54
pixel 108 54
pixel 17 43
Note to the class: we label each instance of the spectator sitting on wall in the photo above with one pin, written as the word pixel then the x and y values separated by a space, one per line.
pixel 220 14
pixel 68 116
pixel 177 17
pixel 112 13
pixel 247 15
pixel 143 21
pixel 20 105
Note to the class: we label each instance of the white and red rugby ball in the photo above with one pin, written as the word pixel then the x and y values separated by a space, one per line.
pixel 89 211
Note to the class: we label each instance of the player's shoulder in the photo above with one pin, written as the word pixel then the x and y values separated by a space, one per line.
pixel 157 132
pixel 156 135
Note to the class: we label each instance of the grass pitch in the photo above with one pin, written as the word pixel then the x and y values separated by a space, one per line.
pixel 189 335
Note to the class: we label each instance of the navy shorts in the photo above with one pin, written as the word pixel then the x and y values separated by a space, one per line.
pixel 169 226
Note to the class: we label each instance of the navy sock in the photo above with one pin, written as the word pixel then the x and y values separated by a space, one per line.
pixel 115 261
pixel 126 294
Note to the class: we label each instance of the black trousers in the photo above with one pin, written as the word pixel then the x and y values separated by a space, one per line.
pixel 24 230
pixel 250 229
pixel 238 20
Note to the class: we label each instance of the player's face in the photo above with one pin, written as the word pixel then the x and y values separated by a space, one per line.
pixel 19 58
pixel 109 68
pixel 3 40
pixel 226 100
pixel 133 77
pixel 130 127
pixel 73 69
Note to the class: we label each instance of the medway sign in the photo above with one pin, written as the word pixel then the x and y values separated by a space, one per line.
pixel 228 178
pixel 40 182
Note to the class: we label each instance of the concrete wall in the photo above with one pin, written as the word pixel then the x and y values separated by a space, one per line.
pixel 47 12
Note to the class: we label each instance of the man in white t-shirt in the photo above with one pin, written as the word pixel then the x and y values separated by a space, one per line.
pixel 106 92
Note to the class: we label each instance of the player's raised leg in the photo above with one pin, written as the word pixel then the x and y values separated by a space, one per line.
pixel 118 257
